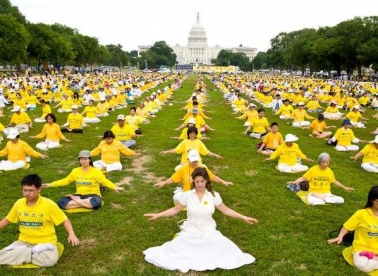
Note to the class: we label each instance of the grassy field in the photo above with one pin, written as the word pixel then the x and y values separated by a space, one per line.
pixel 290 238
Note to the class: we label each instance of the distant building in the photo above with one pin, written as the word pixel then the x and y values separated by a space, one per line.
pixel 197 52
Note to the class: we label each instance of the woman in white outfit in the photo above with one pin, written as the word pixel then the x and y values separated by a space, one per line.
pixel 199 246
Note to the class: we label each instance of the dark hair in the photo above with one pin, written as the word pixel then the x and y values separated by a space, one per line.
pixel 76 95
pixel 195 103
pixel 32 180
pixel 90 161
pixel 53 117
pixel 109 134
pixel 260 110
pixel 133 108
pixel 320 117
pixel 373 195
pixel 190 130
pixel 203 172
pixel 42 101
pixel 274 124
pixel 286 100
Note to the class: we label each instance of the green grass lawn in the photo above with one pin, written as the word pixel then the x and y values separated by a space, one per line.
pixel 290 238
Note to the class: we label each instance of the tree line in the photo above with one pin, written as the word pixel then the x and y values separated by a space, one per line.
pixel 22 42
pixel 350 45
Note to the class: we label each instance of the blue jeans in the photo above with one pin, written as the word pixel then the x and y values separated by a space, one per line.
pixel 129 143
pixel 95 201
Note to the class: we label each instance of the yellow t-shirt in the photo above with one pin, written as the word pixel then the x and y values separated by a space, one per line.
pixel 52 132
pixel 123 134
pixel 86 182
pixel 134 121
pixel 318 126
pixel 36 223
pixel 344 137
pixel 273 140
pixel 288 155
pixel 319 180
pixel 187 145
pixel 90 111
pixel 354 116
pixel 370 154
pixel 285 110
pixel 22 118
pixel 259 125
pixel 365 226
pixel 299 115
pixel 17 151
pixel 110 153
pixel 199 121
pixel 75 121
pixel 184 175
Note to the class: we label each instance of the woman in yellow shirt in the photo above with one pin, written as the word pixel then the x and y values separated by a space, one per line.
pixel 52 132
pixel 110 150
pixel 320 178
pixel 364 222
pixel 354 116
pixel 88 181
pixel 332 112
pixel 289 154
pixel 370 153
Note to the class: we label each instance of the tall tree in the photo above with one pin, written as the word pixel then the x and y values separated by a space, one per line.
pixel 14 39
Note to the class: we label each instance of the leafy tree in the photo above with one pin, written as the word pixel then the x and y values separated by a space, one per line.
pixel 7 8
pixel 260 61
pixel 162 54
pixel 14 39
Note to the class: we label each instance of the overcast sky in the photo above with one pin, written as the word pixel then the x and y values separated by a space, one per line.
pixel 227 23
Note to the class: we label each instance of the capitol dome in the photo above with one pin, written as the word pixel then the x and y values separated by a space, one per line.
pixel 197 35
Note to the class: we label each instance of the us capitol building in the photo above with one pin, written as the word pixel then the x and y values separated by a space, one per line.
pixel 197 52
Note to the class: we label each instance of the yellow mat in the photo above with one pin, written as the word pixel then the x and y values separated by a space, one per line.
pixel 303 196
pixel 60 250
pixel 82 210
pixel 348 256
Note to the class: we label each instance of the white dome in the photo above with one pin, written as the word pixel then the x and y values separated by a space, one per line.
pixel 197 35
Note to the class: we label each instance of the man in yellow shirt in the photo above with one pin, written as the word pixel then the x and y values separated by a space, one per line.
pixel 123 132
pixel 184 175
pixel 16 150
pixel 299 116
pixel 75 122
pixel 345 137
pixel 285 110
pixel 260 126
pixel 36 216
pixel 20 120
pixel 370 153
pixel 289 153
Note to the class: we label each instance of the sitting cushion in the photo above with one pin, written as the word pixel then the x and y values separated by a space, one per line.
pixel 60 250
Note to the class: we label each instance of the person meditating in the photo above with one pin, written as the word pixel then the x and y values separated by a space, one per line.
pixel 199 246
pixel 365 243
pixel 320 178
pixel 88 180
pixel 36 216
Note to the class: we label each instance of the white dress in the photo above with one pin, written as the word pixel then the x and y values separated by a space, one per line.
pixel 199 246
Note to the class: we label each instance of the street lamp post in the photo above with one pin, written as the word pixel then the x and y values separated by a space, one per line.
pixel 146 63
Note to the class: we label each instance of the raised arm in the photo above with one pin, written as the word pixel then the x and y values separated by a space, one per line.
pixel 231 213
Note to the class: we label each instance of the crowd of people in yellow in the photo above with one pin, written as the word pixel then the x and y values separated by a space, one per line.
pixel 304 103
